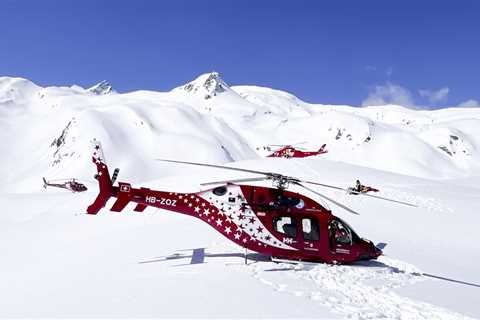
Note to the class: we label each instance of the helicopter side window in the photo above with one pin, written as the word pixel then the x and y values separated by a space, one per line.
pixel 219 191
pixel 285 225
pixel 310 229
pixel 339 233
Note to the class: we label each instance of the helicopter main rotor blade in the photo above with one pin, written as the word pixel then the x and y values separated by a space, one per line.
pixel 234 181
pixel 359 193
pixel 386 199
pixel 323 185
pixel 269 174
pixel 273 175
pixel 327 198
pixel 297 143
pixel 286 145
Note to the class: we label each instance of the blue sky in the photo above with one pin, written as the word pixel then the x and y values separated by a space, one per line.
pixel 423 53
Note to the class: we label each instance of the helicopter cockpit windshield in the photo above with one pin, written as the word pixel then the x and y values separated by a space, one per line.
pixel 289 202
pixel 340 232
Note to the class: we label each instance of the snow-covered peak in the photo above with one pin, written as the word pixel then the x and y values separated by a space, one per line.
pixel 275 101
pixel 207 85
pixel 102 88
pixel 15 89
pixel 14 82
pixel 255 92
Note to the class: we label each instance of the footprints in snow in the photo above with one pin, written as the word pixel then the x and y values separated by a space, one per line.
pixel 357 291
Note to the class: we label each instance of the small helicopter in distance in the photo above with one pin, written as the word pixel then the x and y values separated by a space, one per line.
pixel 290 151
pixel 69 184
pixel 269 220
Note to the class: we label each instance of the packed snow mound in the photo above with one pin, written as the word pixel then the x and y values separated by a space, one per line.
pixel 53 126
pixel 102 88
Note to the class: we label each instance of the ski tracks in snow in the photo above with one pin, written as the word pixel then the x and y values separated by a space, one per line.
pixel 365 291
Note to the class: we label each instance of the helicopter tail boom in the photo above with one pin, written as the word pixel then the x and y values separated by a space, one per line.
pixel 322 149
pixel 103 177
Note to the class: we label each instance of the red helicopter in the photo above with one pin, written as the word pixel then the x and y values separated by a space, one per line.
pixel 269 220
pixel 72 185
pixel 289 151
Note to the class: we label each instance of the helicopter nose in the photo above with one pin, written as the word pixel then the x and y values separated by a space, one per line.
pixel 370 251
pixel 376 251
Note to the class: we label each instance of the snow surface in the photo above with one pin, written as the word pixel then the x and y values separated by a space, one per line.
pixel 58 262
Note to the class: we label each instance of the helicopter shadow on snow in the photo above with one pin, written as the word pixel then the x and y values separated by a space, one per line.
pixel 198 256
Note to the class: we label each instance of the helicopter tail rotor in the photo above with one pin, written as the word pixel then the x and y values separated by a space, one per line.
pixel 322 149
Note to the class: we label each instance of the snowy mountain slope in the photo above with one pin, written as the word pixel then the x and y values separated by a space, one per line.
pixel 350 131
pixel 273 101
pixel 150 124
pixel 57 262
pixel 209 121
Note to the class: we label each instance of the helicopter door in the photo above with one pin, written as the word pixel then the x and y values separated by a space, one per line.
pixel 311 234
pixel 340 238
pixel 287 226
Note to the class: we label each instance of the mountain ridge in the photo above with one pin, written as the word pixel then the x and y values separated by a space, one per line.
pixel 232 124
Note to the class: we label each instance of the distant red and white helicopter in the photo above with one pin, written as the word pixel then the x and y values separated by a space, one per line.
pixel 269 220
pixel 290 151
pixel 69 184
